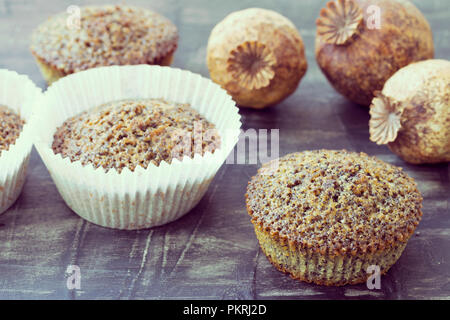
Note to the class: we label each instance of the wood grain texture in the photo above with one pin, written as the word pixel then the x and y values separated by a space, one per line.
pixel 211 253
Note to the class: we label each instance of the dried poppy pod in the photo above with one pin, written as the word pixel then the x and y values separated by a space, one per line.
pixel 257 55
pixel 361 43
pixel 412 113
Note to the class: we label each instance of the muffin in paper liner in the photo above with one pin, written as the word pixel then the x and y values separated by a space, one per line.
pixel 19 94
pixel 145 197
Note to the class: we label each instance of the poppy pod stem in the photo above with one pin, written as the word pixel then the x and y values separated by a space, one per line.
pixel 251 64
pixel 385 115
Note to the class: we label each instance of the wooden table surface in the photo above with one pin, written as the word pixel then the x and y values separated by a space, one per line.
pixel 212 252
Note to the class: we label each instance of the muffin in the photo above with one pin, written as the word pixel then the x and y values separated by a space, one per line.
pixel 18 95
pixel 134 147
pixel 134 133
pixel 324 216
pixel 10 127
pixel 106 35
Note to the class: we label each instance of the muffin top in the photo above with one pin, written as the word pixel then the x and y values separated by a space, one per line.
pixel 334 201
pixel 129 133
pixel 107 35
pixel 10 127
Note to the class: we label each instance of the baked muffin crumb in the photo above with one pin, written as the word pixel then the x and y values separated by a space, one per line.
pixel 129 133
pixel 10 127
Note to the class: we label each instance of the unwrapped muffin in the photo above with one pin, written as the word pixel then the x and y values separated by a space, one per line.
pixel 106 35
pixel 325 216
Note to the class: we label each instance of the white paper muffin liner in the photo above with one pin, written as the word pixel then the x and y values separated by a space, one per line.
pixel 20 94
pixel 146 197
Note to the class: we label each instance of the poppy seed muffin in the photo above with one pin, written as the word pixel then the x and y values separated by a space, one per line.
pixel 324 216
pixel 107 35
pixel 10 127
pixel 129 133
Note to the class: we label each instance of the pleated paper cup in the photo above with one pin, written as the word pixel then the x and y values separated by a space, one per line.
pixel 20 94
pixel 145 197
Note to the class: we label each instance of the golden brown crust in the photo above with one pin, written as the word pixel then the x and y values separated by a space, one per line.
pixel 52 74
pixel 257 55
pixel 10 127
pixel 362 66
pixel 48 71
pixel 108 35
pixel 334 202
